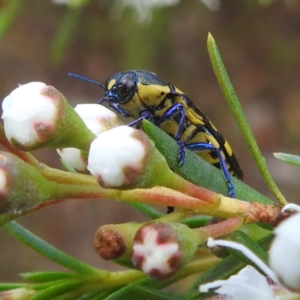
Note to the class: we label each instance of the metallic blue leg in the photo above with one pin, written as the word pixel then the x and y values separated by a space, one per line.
pixel 144 115
pixel 173 111
pixel 119 110
pixel 210 147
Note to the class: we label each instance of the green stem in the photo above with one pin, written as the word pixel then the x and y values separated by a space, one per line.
pixel 120 278
pixel 218 229
pixel 234 104
pixel 47 250
pixel 62 37
pixel 193 267
pixel 63 177
pixel 9 11
pixel 146 210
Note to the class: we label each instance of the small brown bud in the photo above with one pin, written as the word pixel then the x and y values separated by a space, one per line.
pixel 109 243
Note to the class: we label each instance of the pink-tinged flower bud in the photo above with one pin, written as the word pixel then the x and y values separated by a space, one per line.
pixel 161 249
pixel 284 255
pixel 98 119
pixel 36 115
pixel 17 294
pixel 22 187
pixel 125 157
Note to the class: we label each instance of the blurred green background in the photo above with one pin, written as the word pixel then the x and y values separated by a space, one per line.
pixel 258 40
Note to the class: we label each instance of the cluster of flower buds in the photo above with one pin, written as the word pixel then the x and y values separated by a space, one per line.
pixel 98 119
pixel 158 249
pixel 125 166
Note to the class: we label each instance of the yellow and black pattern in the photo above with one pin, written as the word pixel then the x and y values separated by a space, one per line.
pixel 141 94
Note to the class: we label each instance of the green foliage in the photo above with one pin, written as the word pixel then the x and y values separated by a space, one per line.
pixel 85 282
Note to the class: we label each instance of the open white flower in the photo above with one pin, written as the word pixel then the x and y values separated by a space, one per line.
pixel 284 255
pixel 248 284
pixel 284 267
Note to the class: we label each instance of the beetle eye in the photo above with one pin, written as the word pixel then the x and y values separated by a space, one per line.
pixel 123 90
pixel 125 87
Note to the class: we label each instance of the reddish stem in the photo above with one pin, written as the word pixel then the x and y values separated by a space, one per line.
pixel 221 228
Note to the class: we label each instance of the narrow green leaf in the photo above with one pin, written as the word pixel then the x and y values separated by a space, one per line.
pixel 127 292
pixel 288 158
pixel 92 296
pixel 10 286
pixel 153 294
pixel 197 170
pixel 62 37
pixel 58 289
pixel 47 276
pixel 196 221
pixel 125 262
pixel 71 295
pixel 47 250
pixel 236 109
pixel 146 210
pixel 244 239
pixel 98 295
pixel 8 13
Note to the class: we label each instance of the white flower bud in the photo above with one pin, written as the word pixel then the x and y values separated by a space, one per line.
pixel 37 115
pixel 28 112
pixel 74 157
pixel 161 249
pixel 117 156
pixel 156 250
pixel 98 119
pixel 17 294
pixel 284 253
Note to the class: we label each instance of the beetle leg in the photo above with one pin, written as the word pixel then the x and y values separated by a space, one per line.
pixel 119 110
pixel 144 114
pixel 174 110
pixel 223 166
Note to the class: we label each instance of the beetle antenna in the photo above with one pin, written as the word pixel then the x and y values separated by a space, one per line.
pixel 86 79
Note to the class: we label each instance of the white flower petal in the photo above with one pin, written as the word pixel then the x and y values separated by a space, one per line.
pixel 284 255
pixel 248 284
